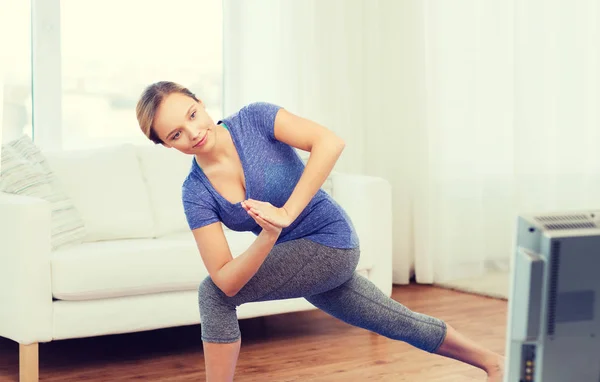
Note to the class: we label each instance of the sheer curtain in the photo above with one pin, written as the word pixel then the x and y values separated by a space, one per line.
pixel 306 56
pixel 463 199
pixel 557 76
pixel 474 111
pixel 505 122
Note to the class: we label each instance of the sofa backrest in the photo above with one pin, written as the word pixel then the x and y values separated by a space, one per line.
pixel 164 171
pixel 108 190
pixel 127 191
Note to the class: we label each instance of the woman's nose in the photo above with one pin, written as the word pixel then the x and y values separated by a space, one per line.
pixel 193 133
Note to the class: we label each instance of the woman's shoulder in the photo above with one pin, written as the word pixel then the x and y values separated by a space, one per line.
pixel 260 111
pixel 256 110
pixel 254 118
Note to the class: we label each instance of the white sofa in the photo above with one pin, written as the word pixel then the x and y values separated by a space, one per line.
pixel 138 267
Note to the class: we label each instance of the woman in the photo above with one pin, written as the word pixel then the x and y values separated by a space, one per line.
pixel 246 175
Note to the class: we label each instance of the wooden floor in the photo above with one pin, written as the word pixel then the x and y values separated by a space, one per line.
pixel 307 346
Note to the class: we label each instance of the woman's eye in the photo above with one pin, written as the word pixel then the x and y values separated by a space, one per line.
pixel 176 135
pixel 193 115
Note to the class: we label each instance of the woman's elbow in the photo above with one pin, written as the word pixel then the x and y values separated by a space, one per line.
pixel 225 286
pixel 230 292
pixel 339 144
pixel 335 142
pixel 228 289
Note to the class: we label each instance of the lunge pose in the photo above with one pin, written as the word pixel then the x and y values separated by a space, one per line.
pixel 246 175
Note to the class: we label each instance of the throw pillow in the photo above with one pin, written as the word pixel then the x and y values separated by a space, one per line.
pixel 25 171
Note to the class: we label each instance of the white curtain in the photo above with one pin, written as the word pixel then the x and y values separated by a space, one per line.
pixel 474 111
pixel 303 55
pixel 557 76
pixel 463 200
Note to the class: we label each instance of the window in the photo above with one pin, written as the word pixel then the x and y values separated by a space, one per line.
pixel 111 50
pixel 15 70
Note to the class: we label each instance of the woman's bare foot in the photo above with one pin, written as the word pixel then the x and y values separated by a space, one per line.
pixel 459 347
pixel 495 371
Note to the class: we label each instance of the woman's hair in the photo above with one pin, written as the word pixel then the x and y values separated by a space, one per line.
pixel 149 102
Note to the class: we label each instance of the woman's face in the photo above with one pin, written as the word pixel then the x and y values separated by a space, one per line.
pixel 182 123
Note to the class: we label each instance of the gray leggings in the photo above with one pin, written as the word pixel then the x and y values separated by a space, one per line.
pixel 325 277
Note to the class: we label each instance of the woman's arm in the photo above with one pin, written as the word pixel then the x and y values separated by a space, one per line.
pixel 228 273
pixel 325 148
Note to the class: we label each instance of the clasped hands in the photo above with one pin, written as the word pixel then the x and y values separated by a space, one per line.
pixel 270 218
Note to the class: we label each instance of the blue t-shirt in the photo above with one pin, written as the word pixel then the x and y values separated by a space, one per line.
pixel 272 170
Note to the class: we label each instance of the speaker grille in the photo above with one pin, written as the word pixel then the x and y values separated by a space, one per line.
pixel 571 218
pixel 554 227
pixel 555 258
pixel 565 222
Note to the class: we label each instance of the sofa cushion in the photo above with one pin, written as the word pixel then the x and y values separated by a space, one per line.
pixel 108 190
pixel 240 241
pixel 139 266
pixel 164 171
pixel 25 171
pixel 133 267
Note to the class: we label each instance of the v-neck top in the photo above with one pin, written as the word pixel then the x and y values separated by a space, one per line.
pixel 271 170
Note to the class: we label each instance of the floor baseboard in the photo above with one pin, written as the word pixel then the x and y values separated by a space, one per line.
pixel 493 284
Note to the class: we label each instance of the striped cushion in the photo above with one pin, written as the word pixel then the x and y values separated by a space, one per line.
pixel 25 171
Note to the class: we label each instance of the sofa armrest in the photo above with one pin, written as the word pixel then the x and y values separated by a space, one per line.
pixel 368 202
pixel 25 280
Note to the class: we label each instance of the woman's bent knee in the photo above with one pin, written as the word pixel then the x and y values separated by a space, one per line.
pixel 218 318
pixel 207 289
pixel 209 295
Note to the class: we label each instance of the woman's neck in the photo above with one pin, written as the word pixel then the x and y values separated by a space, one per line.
pixel 222 151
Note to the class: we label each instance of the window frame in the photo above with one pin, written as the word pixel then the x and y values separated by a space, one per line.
pixel 46 74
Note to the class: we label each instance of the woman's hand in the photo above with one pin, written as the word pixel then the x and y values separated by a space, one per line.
pixel 267 212
pixel 267 227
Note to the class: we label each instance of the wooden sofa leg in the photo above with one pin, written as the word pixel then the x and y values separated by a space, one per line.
pixel 28 363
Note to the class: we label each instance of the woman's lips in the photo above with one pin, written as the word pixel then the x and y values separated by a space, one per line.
pixel 201 141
